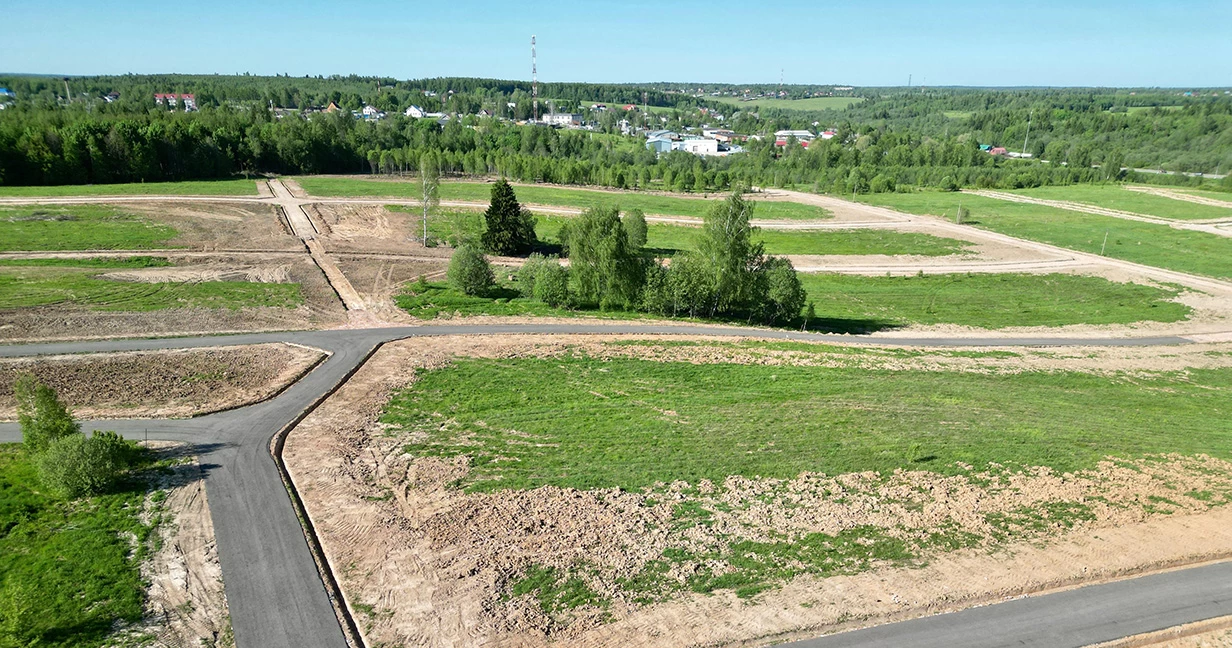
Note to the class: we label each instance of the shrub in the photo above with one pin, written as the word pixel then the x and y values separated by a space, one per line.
pixel 77 465
pixel 42 416
pixel 469 271
pixel 634 223
pixel 529 272
pixel 552 284
pixel 784 295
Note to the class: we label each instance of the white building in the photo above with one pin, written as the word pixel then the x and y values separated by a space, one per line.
pixel 416 112
pixel 698 146
pixel 801 135
pixel 562 119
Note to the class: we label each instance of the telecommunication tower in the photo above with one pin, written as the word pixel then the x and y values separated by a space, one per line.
pixel 534 79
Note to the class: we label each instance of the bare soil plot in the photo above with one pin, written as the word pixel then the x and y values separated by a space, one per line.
pixel 423 562
pixel 377 278
pixel 319 308
pixel 186 605
pixel 365 228
pixel 213 226
pixel 161 384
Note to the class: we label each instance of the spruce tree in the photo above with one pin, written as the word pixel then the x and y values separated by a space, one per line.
pixel 510 229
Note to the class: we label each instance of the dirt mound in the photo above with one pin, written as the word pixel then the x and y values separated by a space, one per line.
pixel 160 384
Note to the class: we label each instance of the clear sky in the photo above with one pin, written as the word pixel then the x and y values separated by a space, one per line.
pixel 1179 43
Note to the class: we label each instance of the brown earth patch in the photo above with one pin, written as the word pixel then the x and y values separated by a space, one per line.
pixel 356 227
pixel 424 563
pixel 161 384
pixel 378 279
pixel 186 604
pixel 220 226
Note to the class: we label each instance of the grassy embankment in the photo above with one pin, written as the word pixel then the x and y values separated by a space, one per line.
pixel 69 570
pixel 555 196
pixel 1117 197
pixel 191 188
pixel 1146 243
pixel 27 283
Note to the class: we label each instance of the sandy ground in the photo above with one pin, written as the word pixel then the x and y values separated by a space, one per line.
pixel 1181 195
pixel 379 279
pixel 186 604
pixel 221 225
pixel 426 564
pixel 161 384
pixel 368 228
pixel 321 308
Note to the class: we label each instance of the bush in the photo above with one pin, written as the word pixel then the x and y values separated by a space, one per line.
pixel 634 223
pixel 528 273
pixel 784 295
pixel 552 284
pixel 469 272
pixel 42 416
pixel 77 465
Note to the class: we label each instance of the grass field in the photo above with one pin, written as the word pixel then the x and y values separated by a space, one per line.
pixel 1145 243
pixel 194 188
pixel 68 570
pixel 1225 196
pixel 854 304
pixel 600 424
pixel 809 104
pixel 556 196
pixel 94 262
pixel 1115 197
pixel 45 285
pixel 990 301
pixel 77 227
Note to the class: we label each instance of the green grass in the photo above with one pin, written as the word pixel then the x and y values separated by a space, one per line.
pixel 1116 197
pixel 70 567
pixel 45 286
pixel 580 422
pixel 78 227
pixel 1146 243
pixel 92 262
pixel 808 104
pixel 194 188
pixel 856 304
pixel 556 196
pixel 958 114
pixel 989 301
pixel 1225 196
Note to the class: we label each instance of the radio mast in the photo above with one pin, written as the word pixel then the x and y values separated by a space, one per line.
pixel 534 79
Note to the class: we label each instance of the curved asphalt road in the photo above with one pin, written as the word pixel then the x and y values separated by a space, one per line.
pixel 276 596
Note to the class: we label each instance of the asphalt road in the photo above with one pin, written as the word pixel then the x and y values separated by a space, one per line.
pixel 276 596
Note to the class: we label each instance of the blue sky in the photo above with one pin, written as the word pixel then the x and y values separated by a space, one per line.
pixel 878 42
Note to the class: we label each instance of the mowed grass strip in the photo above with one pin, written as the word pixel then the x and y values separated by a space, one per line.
pixel 1149 244
pixel 68 570
pixel 39 228
pixel 46 286
pixel 190 188
pixel 1113 196
pixel 90 262
pixel 556 196
pixel 579 422
pixel 990 301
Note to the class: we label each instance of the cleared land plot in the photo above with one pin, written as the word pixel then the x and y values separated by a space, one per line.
pixel 212 226
pixel 160 383
pixel 196 188
pixel 1117 197
pixel 810 103
pixel 1146 243
pixel 555 196
pixel 104 297
pixel 78 227
pixel 604 492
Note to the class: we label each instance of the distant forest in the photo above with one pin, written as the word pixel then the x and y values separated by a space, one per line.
pixel 892 139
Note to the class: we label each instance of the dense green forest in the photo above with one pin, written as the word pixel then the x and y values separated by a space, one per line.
pixel 892 139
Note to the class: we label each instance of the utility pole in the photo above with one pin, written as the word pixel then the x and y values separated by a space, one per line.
pixel 1024 139
pixel 908 81
pixel 534 80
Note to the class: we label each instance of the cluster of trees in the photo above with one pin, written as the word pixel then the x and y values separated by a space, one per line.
pixel 727 275
pixel 69 463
